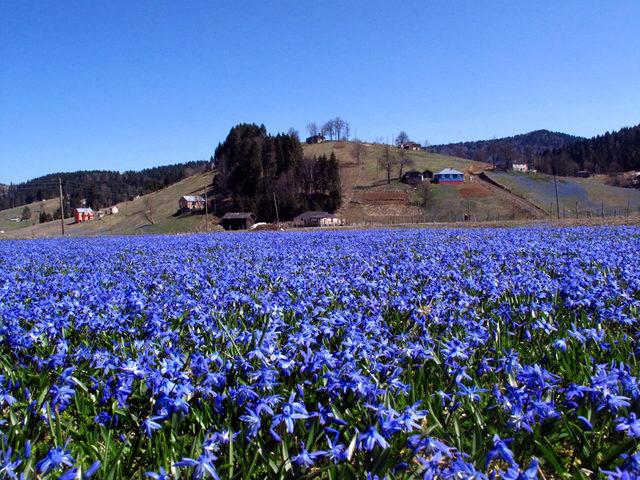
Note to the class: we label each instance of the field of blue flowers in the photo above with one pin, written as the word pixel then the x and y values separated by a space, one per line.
pixel 507 353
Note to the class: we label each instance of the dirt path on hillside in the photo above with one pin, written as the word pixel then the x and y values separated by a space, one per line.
pixel 535 211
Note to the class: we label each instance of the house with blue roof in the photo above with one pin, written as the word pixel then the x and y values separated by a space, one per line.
pixel 448 176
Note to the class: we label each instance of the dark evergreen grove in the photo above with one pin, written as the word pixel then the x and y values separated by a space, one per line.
pixel 609 153
pixel 100 188
pixel 253 167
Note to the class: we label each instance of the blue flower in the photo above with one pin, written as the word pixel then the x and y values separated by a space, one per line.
pixel 631 425
pixel 307 459
pixel 289 412
pixel 371 438
pixel 203 467
pixel 55 458
pixel 161 475
pixel 151 424
pixel 501 450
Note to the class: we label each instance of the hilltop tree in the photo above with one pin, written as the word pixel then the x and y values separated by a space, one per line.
pixel 312 129
pixel 402 138
pixel 336 128
pixel 339 126
pixel 292 132
pixel 328 129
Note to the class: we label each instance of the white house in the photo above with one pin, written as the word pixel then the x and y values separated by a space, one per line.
pixel 520 167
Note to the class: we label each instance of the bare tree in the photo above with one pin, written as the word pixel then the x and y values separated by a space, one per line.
pixel 347 130
pixel 426 143
pixel 424 194
pixel 148 209
pixel 402 138
pixel 328 129
pixel 403 160
pixel 338 126
pixel 387 161
pixel 357 149
pixel 292 132
pixel 312 128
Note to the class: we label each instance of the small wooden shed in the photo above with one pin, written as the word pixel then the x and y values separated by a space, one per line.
pixel 237 220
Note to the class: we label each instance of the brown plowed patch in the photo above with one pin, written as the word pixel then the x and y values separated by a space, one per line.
pixel 473 190
pixel 385 198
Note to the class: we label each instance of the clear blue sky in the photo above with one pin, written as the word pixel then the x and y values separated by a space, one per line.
pixel 131 84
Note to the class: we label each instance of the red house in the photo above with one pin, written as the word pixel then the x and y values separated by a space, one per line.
pixel 83 214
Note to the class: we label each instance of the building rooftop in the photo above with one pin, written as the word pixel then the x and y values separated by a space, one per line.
pixel 237 215
pixel 193 198
pixel 315 214
pixel 449 171
pixel 84 210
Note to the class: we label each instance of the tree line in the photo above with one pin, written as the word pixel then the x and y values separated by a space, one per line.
pixel 257 172
pixel 97 188
pixel 610 153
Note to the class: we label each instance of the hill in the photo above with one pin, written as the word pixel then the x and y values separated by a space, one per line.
pixel 152 213
pixel 503 152
pixel 576 196
pixel 367 198
pixel 100 188
pixel 609 153
pixel 8 216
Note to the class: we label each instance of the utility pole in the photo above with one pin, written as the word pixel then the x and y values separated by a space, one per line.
pixel 61 206
pixel 555 181
pixel 275 202
pixel 206 211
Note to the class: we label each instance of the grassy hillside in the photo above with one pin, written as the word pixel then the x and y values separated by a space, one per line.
pixel 446 203
pixel 152 213
pixel 7 225
pixel 589 194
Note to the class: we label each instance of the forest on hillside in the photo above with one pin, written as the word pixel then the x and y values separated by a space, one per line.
pixel 609 153
pixel 504 152
pixel 98 188
pixel 256 170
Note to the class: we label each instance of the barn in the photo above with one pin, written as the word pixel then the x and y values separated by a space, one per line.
pixel 316 219
pixel 412 177
pixel 82 214
pixel 237 220
pixel 315 139
pixel 448 176
pixel 191 202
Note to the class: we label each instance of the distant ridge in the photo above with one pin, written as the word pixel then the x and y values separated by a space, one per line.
pixel 503 152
